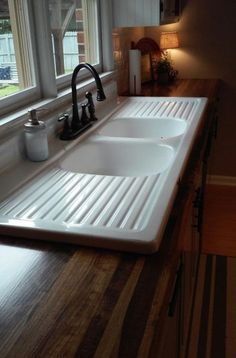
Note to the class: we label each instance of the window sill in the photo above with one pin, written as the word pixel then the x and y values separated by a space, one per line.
pixel 11 123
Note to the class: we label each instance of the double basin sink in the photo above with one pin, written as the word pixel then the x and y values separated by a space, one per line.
pixel 128 146
pixel 115 186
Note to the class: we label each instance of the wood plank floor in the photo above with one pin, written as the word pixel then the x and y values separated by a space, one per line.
pixel 219 229
pixel 213 333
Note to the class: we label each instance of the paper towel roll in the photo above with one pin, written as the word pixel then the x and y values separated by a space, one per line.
pixel 134 71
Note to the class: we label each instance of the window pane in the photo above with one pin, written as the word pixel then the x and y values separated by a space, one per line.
pixel 74 29
pixel 16 71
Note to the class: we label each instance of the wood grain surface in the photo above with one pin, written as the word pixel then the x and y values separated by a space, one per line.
pixel 63 301
pixel 213 332
pixel 67 301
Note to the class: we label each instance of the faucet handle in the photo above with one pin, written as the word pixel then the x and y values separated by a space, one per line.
pixel 84 117
pixel 91 107
pixel 66 128
pixel 64 117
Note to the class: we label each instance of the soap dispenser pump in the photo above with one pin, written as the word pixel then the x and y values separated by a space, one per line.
pixel 36 141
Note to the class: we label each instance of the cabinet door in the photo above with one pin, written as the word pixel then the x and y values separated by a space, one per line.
pixel 131 13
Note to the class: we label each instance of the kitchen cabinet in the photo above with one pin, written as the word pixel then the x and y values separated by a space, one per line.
pixel 134 13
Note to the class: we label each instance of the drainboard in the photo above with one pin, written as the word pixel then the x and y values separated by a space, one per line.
pixel 69 199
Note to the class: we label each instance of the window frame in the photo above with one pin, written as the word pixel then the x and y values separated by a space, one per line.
pixel 30 94
pixel 47 86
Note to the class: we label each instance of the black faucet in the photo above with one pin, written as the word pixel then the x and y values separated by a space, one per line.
pixel 100 93
pixel 78 125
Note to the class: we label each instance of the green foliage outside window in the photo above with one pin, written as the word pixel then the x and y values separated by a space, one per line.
pixel 5 26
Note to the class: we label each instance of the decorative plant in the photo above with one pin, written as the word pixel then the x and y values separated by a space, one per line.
pixel 164 68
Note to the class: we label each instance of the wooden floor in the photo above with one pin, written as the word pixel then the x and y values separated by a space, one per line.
pixel 213 333
pixel 219 229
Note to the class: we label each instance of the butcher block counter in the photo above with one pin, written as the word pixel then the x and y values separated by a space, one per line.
pixel 61 300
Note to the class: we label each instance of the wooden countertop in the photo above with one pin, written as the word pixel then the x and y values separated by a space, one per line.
pixel 61 300
pixel 183 88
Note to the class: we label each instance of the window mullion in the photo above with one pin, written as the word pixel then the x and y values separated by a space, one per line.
pixel 106 34
pixel 44 49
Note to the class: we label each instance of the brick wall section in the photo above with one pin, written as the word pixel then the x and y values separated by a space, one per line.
pixel 80 34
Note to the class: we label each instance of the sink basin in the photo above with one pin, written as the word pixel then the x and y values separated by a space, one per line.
pixel 117 157
pixel 158 128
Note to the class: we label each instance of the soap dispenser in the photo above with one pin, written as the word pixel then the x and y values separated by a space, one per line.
pixel 36 141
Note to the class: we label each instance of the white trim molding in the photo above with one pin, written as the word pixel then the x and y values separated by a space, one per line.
pixel 221 180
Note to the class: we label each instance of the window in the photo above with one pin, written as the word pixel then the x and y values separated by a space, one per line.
pixel 16 65
pixel 40 44
pixel 74 37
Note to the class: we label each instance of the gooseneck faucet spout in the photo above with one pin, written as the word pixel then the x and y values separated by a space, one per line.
pixel 100 93
pixel 76 126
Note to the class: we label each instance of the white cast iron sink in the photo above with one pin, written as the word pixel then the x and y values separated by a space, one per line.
pixel 118 157
pixel 114 189
pixel 158 128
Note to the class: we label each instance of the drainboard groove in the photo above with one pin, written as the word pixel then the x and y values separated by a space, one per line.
pixel 137 194
pixel 81 200
pixel 139 218
pixel 74 181
pixel 170 108
pixel 178 109
pixel 163 107
pixel 150 108
pixel 95 206
pixel 167 109
pixel 182 108
pixel 174 110
pixel 189 110
pixel 138 107
pixel 128 184
pixel 88 204
pixel 127 200
pixel 143 109
pixel 71 197
pixel 111 206
pixel 22 194
pixel 42 199
pixel 115 192
pixel 155 110
pixel 28 193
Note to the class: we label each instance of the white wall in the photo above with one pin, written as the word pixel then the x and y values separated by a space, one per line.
pixel 207 50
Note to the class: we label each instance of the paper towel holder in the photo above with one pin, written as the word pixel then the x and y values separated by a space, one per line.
pixel 150 54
